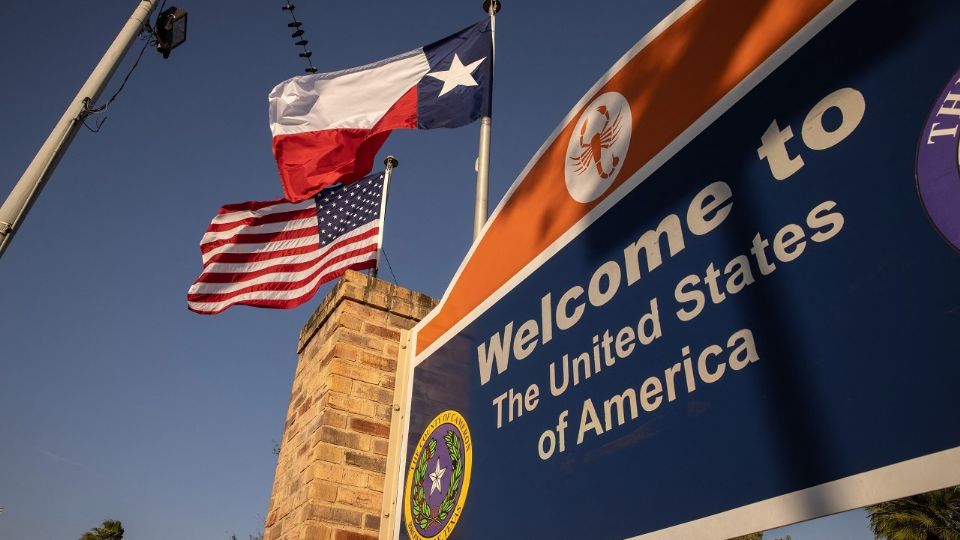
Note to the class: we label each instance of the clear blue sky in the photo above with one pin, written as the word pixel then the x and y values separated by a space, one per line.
pixel 115 400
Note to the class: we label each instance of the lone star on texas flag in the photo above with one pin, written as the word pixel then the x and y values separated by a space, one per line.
pixel 457 75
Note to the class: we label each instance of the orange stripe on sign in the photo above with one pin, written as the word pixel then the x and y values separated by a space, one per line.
pixel 669 84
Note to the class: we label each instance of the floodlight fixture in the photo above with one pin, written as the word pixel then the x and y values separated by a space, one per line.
pixel 298 33
pixel 171 30
pixel 301 43
pixel 288 7
pixel 295 24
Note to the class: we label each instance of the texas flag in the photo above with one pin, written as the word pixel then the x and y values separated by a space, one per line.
pixel 328 127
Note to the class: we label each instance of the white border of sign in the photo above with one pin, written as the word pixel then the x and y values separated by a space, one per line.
pixel 913 476
pixel 909 477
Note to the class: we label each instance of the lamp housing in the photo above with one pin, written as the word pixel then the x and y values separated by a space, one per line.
pixel 171 30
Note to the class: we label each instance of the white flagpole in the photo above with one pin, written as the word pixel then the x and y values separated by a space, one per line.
pixel 483 160
pixel 390 163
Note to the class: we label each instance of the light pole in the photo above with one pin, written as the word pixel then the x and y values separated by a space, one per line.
pixel 171 32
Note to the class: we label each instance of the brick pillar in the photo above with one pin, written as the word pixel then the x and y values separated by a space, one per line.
pixel 330 471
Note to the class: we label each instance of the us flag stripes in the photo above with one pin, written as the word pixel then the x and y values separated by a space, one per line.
pixel 276 254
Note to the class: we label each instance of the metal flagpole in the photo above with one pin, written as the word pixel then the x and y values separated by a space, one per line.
pixel 483 160
pixel 391 163
pixel 27 189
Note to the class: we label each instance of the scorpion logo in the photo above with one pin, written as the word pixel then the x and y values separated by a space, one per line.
pixel 598 146
pixel 592 149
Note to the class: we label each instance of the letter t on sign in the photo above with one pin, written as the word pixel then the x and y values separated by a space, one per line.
pixel 774 150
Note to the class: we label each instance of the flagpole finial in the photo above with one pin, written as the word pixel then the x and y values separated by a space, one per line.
pixel 487 4
pixel 390 162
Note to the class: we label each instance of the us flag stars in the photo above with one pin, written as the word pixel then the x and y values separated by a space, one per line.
pixel 342 208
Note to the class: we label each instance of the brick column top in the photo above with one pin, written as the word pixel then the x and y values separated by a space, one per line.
pixel 369 291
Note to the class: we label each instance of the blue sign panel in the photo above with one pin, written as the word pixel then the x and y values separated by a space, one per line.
pixel 772 311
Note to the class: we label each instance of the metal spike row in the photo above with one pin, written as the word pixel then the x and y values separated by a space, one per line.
pixel 298 35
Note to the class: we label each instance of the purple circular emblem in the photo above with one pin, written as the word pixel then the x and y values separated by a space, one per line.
pixel 437 482
pixel 438 478
pixel 938 164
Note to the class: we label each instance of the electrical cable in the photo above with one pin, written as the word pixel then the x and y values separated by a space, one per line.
pixel 149 35
pixel 88 110
pixel 389 266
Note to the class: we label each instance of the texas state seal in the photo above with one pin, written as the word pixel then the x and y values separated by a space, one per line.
pixel 438 478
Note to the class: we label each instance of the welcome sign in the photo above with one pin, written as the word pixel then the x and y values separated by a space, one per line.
pixel 744 308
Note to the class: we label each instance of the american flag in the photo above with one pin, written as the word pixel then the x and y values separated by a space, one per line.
pixel 276 254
